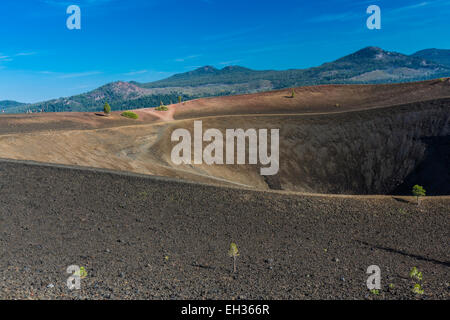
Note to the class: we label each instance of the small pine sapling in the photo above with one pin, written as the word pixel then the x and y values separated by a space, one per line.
pixel 83 273
pixel 417 289
pixel 233 253
pixel 416 274
pixel 107 108
pixel 418 191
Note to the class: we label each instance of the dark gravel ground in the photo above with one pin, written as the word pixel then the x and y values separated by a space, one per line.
pixel 149 238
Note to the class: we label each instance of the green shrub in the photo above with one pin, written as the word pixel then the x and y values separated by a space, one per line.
pixel 107 108
pixel 415 274
pixel 417 289
pixel 418 191
pixel 233 253
pixel 161 107
pixel 129 114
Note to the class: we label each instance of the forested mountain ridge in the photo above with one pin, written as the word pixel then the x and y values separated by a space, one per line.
pixel 368 65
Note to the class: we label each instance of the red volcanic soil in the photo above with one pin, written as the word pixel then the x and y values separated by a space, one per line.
pixel 334 139
pixel 23 123
pixel 316 99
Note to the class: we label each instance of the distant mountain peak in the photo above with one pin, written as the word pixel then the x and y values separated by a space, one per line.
pixel 441 56
pixel 371 49
pixel 433 51
pixel 120 85
pixel 377 58
pixel 10 103
pixel 122 89
pixel 235 68
pixel 205 69
pixel 370 52
pixel 211 70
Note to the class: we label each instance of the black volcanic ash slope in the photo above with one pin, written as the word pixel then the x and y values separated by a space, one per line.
pixel 146 238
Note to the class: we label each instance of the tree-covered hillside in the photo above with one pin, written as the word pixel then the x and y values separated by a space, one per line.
pixel 6 104
pixel 441 56
pixel 369 65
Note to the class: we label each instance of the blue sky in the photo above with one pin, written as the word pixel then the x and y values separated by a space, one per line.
pixel 149 40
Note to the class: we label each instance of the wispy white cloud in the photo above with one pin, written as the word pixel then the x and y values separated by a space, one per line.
pixel 81 3
pixel 442 4
pixel 61 75
pixel 351 15
pixel 83 86
pixel 401 14
pixel 24 54
pixel 132 73
pixel 190 57
pixel 9 58
pixel 229 62
pixel 192 67
pixel 345 16
pixel 412 6
pixel 5 58
pixel 68 75
pixel 78 74
pixel 231 35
